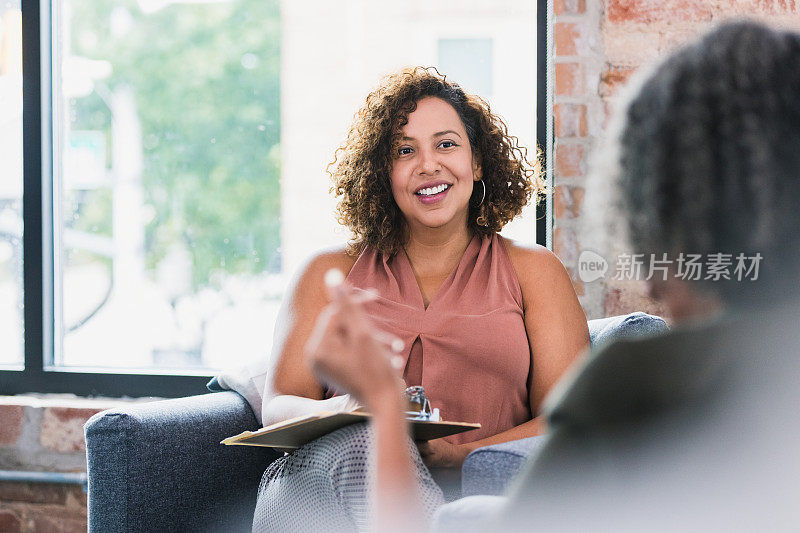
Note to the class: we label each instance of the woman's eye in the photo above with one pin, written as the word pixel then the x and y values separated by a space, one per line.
pixel 404 150
pixel 447 144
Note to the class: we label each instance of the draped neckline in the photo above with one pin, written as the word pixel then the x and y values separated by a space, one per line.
pixel 407 271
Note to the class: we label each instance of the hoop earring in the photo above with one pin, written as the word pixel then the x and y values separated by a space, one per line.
pixel 481 220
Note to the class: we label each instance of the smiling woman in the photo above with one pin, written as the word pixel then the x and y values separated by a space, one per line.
pixel 485 325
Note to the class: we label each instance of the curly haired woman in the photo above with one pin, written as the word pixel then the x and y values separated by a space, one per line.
pixel 692 430
pixel 427 177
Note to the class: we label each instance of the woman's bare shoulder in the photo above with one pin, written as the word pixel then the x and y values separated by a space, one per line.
pixel 302 304
pixel 532 261
pixel 336 257
pixel 311 275
pixel 542 277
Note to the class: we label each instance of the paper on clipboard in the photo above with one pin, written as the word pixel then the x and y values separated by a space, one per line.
pixel 293 433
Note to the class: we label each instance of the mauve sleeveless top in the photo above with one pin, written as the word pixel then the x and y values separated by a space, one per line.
pixel 469 348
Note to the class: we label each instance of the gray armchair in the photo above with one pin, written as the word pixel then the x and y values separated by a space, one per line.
pixel 159 466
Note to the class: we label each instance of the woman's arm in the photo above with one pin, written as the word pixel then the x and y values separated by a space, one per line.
pixel 557 334
pixel 345 349
pixel 301 307
pixel 554 320
pixel 439 452
pixel 286 406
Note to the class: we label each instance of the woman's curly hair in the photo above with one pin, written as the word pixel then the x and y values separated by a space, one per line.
pixel 710 157
pixel 362 165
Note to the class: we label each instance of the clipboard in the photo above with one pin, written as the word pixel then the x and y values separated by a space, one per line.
pixel 295 432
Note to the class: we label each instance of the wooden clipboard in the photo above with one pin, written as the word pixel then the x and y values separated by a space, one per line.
pixel 295 432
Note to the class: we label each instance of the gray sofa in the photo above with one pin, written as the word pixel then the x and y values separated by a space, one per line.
pixel 159 466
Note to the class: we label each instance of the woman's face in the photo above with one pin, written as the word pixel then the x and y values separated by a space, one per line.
pixel 434 168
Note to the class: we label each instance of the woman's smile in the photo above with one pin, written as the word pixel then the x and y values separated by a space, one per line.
pixel 430 194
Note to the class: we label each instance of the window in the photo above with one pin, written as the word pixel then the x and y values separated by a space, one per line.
pixel 176 150
pixel 471 62
pixel 11 344
pixel 166 183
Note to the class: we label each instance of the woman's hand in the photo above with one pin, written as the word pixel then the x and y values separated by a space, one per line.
pixel 345 349
pixel 440 453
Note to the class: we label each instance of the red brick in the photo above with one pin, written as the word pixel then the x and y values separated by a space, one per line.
pixel 570 39
pixel 609 110
pixel 54 521
pixel 11 417
pixel 775 7
pixel 567 201
pixel 569 160
pixel 570 79
pixel 565 245
pixel 33 493
pixel 629 296
pixel 613 79
pixel 76 497
pixel 669 41
pixel 624 46
pixel 570 120
pixel 655 11
pixel 612 301
pixel 9 522
pixel 569 7
pixel 62 428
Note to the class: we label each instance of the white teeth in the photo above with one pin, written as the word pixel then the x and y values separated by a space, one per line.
pixel 430 191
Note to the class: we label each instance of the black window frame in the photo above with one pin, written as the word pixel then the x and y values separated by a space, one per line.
pixel 35 377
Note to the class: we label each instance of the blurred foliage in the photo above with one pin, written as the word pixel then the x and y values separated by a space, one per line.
pixel 206 82
pixel 91 210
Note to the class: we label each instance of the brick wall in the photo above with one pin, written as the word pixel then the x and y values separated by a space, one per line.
pixel 598 45
pixel 44 435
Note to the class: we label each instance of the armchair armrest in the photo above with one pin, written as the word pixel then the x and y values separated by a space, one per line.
pixel 638 324
pixel 488 470
pixel 159 466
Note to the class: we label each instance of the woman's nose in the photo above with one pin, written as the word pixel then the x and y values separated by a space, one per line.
pixel 428 163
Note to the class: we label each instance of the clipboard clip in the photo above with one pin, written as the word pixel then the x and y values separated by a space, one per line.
pixel 419 407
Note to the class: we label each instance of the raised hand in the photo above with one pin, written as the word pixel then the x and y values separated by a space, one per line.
pixel 348 351
pixel 345 349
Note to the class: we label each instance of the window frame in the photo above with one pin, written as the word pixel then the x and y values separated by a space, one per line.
pixel 37 209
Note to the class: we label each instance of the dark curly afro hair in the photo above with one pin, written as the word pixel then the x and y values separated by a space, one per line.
pixel 363 164
pixel 710 157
